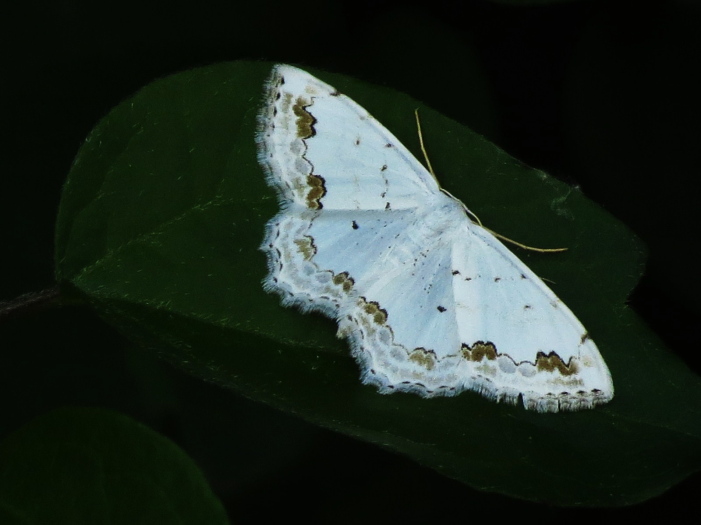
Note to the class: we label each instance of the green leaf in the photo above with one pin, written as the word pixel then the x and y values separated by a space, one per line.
pixel 159 228
pixel 79 465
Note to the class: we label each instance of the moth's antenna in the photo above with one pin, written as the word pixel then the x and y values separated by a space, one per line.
pixel 525 247
pixel 423 148
pixel 477 219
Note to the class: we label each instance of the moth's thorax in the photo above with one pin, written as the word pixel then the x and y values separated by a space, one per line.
pixel 441 218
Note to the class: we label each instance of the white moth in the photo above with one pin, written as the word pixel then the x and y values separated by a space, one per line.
pixel 431 302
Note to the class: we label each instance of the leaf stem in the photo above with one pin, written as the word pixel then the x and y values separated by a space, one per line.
pixel 29 303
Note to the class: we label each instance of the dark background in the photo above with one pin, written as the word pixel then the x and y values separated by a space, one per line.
pixel 601 94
